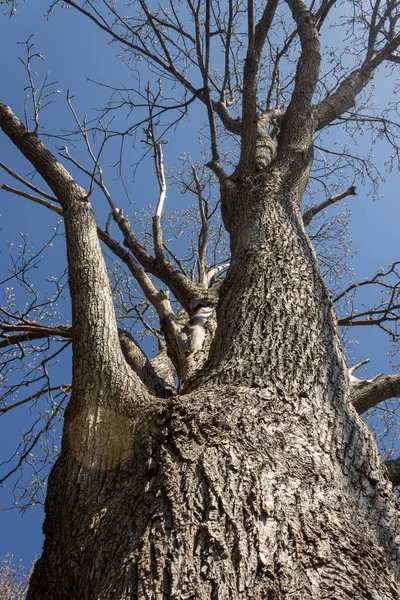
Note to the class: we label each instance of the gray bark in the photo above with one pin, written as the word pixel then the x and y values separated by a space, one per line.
pixel 258 480
pixel 376 392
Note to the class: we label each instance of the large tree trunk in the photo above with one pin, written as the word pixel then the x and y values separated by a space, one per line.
pixel 259 480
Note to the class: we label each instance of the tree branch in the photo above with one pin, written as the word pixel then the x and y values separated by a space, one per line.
pixel 341 100
pixel 64 388
pixel 297 130
pixel 30 332
pixel 46 203
pixel 323 12
pixel 256 40
pixel 203 234
pixel 372 394
pixel 141 365
pixel 357 383
pixel 96 349
pixel 27 183
pixel 375 280
pixel 311 212
pixel 393 471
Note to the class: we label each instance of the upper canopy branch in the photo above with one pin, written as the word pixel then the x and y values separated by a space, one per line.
pixel 377 280
pixel 297 132
pixel 256 38
pixel 384 312
pixel 344 97
pixel 161 57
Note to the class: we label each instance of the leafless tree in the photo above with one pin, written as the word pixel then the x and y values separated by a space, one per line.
pixel 234 463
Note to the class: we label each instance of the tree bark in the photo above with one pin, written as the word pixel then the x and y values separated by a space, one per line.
pixel 376 392
pixel 259 480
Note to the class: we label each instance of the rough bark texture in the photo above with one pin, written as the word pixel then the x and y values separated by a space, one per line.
pixel 229 497
pixel 393 468
pixel 259 482
pixel 374 393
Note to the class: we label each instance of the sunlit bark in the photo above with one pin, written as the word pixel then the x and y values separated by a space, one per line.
pixel 234 465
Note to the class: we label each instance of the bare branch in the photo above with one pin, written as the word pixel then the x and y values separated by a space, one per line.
pixel 358 384
pixel 36 199
pixel 311 212
pixel 64 388
pixel 376 392
pixel 377 279
pixel 139 362
pixel 393 471
pixel 159 170
pixel 30 332
pixel 359 365
pixel 323 12
pixel 27 183
pixel 297 133
pixel 203 235
pixel 341 100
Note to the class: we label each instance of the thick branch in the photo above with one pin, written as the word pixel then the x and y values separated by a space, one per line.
pixel 185 291
pixel 93 316
pixel 345 96
pixel 203 235
pixel 311 212
pixel 232 125
pixel 256 40
pixel 141 365
pixel 383 389
pixel 164 367
pixel 29 333
pixel 297 132
pixel 393 470
pixel 323 12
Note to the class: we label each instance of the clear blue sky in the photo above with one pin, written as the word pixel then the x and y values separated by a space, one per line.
pixel 73 49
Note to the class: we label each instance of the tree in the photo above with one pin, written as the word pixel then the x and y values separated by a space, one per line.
pixel 254 476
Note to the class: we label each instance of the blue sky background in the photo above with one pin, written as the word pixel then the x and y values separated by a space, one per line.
pixel 73 48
